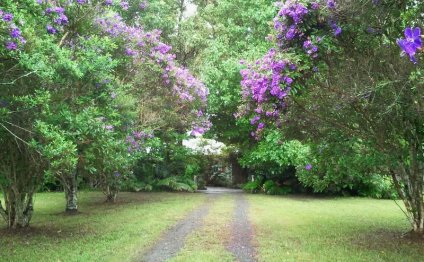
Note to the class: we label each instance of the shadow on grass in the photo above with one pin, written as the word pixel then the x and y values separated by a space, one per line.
pixel 306 197
pixel 45 231
pixel 125 198
pixel 386 239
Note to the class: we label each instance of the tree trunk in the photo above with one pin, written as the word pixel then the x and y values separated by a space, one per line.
pixel 111 194
pixel 18 208
pixel 409 185
pixel 70 186
pixel 238 173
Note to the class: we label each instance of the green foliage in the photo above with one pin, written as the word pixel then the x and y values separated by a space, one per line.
pixel 175 183
pixel 252 186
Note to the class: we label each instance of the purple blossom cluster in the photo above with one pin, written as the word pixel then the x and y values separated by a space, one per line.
pixel 287 22
pixel 57 16
pixel 136 139
pixel 412 43
pixel 142 47
pixel 310 48
pixel 336 29
pixel 266 84
pixel 139 46
pixel 15 37
pixel 200 128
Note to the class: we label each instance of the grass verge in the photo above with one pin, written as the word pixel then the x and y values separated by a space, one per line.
pixel 101 232
pixel 339 229
pixel 208 243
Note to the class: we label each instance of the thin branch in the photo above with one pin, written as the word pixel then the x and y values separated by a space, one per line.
pixel 18 127
pixel 63 38
pixel 14 81
pixel 17 137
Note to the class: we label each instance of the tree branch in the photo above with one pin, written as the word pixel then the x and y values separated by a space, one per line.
pixel 14 81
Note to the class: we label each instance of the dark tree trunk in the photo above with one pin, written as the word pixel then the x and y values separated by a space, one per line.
pixel 19 181
pixel 111 194
pixel 239 174
pixel 71 189
pixel 408 179
pixel 18 208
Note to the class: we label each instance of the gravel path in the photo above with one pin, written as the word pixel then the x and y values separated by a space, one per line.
pixel 242 234
pixel 173 240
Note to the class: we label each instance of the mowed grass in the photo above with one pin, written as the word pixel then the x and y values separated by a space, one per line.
pixel 208 243
pixel 101 232
pixel 286 229
pixel 339 229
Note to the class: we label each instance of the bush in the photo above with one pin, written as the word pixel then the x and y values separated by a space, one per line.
pixel 253 186
pixel 271 188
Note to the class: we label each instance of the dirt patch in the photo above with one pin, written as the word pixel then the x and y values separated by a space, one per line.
pixel 242 233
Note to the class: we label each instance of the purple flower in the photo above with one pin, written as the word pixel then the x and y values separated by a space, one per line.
pixel 117 174
pixel 11 45
pixel 130 52
pixel 261 126
pixel 337 31
pixel 307 44
pixel 51 30
pixel 331 4
pixel 15 32
pixel 308 167
pixel 61 20
pixel 124 5
pixel 411 43
pixel 108 2
pixel 143 5
pixel 254 120
pixel 197 131
pixel 108 127
pixel 22 40
pixel 59 10
pixel 314 5
pixel 81 1
pixel 291 33
pixel 7 17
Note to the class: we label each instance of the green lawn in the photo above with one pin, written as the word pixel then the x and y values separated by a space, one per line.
pixel 287 229
pixel 102 232
pixel 340 229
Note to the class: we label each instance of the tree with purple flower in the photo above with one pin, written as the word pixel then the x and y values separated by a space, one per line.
pixel 412 43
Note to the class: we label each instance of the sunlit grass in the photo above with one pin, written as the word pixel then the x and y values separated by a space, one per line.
pixel 102 232
pixel 340 229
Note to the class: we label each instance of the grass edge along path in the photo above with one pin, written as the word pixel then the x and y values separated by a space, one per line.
pixel 208 243
pixel 242 232
pixel 102 232
pixel 172 241
pixel 330 229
